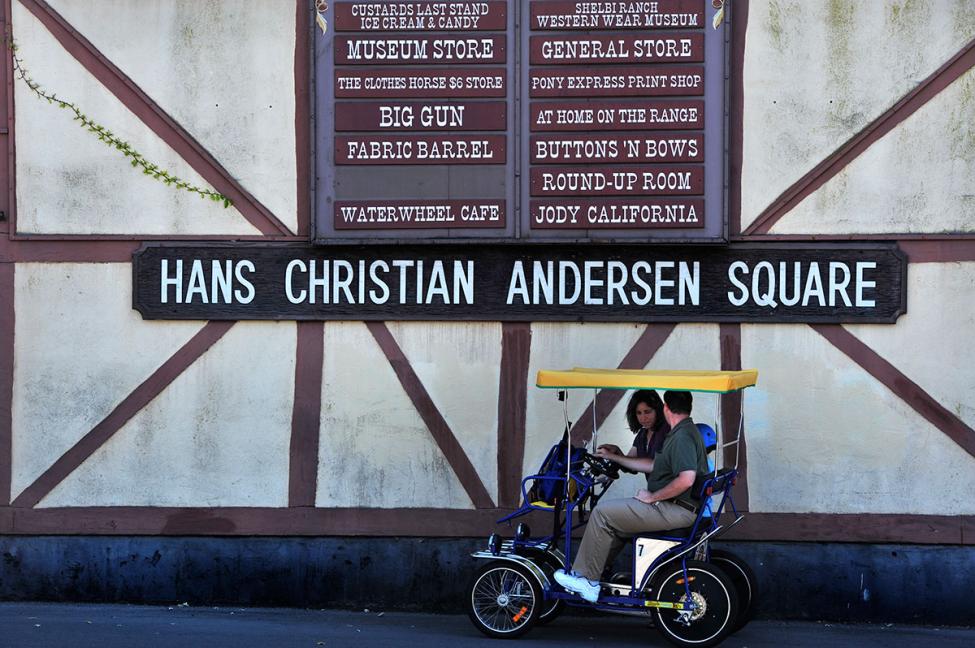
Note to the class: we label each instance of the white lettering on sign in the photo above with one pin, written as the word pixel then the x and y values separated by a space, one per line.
pixel 394 16
pixel 603 282
pixel 430 116
pixel 614 15
pixel 642 49
pixel 615 214
pixel 419 150
pixel 220 282
pixel 632 148
pixel 426 214
pixel 745 284
pixel 672 115
pixel 621 181
pixel 788 284
pixel 419 49
pixel 336 281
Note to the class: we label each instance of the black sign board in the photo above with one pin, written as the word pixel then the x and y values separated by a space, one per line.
pixel 740 283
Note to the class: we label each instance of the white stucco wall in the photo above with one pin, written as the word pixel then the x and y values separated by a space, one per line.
pixel 817 73
pixel 928 344
pixel 459 364
pixel 80 350
pixel 917 179
pixel 825 436
pixel 375 451
pixel 219 435
pixel 223 70
pixel 68 182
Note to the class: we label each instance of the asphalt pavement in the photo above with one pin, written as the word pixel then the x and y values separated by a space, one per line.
pixel 57 625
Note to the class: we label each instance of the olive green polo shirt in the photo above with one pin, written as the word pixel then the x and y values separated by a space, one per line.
pixel 683 450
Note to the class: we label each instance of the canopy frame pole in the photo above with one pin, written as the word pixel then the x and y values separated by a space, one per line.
pixel 568 475
pixel 568 444
pixel 741 428
pixel 719 432
pixel 595 393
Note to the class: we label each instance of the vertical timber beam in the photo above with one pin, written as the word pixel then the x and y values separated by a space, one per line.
pixel 516 341
pixel 7 321
pixel 303 130
pixel 731 412
pixel 736 118
pixel 306 415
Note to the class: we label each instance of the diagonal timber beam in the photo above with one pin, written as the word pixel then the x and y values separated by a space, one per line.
pixel 902 386
pixel 960 63
pixel 434 420
pixel 139 398
pixel 642 352
pixel 162 124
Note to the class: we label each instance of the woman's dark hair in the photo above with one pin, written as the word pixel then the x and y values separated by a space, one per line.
pixel 652 400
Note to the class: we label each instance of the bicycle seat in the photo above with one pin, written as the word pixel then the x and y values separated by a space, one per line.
pixel 683 533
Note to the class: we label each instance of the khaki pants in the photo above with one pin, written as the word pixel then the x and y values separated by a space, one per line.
pixel 615 521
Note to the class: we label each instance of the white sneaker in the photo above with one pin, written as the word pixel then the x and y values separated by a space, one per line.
pixel 578 584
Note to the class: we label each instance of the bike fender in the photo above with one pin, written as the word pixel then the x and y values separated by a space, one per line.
pixel 527 563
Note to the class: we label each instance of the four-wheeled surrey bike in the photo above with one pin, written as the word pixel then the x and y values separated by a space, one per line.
pixel 695 595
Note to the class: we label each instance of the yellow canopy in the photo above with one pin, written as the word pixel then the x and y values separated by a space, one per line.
pixel 701 381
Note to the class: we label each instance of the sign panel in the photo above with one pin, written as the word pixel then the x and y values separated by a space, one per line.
pixel 617 116
pixel 420 16
pixel 661 14
pixel 590 149
pixel 422 103
pixel 617 214
pixel 741 283
pixel 651 67
pixel 381 50
pixel 423 149
pixel 417 214
pixel 413 118
pixel 391 116
pixel 662 48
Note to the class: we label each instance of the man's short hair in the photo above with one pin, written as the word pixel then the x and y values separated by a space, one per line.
pixel 678 402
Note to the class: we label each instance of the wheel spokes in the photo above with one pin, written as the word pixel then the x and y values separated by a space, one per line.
pixel 502 600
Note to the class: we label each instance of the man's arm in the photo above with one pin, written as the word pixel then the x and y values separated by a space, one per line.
pixel 680 483
pixel 637 464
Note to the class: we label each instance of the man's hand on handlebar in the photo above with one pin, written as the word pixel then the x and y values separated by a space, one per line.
pixel 601 466
pixel 607 450
pixel 610 452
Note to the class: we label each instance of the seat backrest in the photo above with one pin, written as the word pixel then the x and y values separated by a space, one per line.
pixel 550 488
pixel 710 490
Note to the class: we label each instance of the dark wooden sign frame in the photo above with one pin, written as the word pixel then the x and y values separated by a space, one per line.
pixel 827 283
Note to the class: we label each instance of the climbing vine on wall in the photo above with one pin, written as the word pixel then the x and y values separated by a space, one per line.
pixel 111 139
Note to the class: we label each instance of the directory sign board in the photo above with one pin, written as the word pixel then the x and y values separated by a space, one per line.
pixel 565 121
